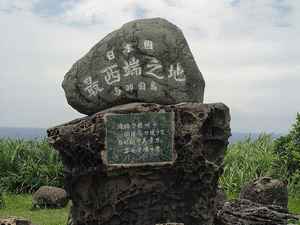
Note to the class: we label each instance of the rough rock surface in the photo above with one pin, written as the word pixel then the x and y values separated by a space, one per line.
pixel 145 60
pixel 266 191
pixel 220 199
pixel 183 192
pixel 246 212
pixel 50 197
pixel 14 221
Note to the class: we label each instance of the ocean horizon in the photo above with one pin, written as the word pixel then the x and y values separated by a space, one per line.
pixel 31 133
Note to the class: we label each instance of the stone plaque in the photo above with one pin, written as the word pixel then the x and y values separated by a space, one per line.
pixel 139 138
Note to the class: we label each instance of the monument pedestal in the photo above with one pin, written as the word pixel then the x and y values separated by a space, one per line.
pixel 144 164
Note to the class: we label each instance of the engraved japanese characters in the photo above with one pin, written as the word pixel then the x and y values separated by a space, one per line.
pixel 144 61
pixel 139 138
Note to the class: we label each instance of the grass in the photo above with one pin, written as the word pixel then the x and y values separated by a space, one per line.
pixel 25 165
pixel 294 205
pixel 247 160
pixel 250 159
pixel 20 206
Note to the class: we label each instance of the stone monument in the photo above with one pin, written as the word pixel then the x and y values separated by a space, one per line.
pixel 144 61
pixel 149 152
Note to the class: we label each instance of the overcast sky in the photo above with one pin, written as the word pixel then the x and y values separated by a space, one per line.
pixel 247 50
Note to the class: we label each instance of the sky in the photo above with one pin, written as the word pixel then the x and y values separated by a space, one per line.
pixel 247 50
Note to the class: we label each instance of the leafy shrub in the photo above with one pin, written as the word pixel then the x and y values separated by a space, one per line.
pixel 247 160
pixel 288 148
pixel 294 184
pixel 27 165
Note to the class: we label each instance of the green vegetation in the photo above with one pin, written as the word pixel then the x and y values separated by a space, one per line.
pixel 2 203
pixel 288 149
pixel 247 160
pixel 24 167
pixel 20 206
pixel 27 165
pixel 294 204
pixel 250 159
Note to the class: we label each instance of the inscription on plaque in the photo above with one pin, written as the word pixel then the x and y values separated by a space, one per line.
pixel 139 138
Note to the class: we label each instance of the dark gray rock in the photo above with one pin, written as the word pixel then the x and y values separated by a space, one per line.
pixel 246 212
pixel 220 198
pixel 50 197
pixel 266 191
pixel 182 192
pixel 145 60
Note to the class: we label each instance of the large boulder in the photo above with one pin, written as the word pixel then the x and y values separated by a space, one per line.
pixel 266 191
pixel 145 60
pixel 50 197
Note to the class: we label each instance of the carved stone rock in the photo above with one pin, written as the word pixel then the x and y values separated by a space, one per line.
pixel 266 191
pixel 180 192
pixel 145 60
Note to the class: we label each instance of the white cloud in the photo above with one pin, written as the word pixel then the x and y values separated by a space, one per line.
pixel 248 52
pixel 108 15
pixel 16 5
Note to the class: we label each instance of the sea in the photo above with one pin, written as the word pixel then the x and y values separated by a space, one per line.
pixel 30 133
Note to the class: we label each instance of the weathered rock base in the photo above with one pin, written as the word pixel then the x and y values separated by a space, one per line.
pixel 266 191
pixel 14 221
pixel 182 192
pixel 246 212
